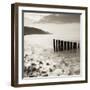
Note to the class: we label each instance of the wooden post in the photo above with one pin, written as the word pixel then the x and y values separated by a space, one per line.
pixel 54 46
pixel 65 45
pixel 74 45
pixel 61 46
pixel 57 45
pixel 68 45
pixel 78 45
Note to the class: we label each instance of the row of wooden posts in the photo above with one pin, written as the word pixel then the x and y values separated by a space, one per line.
pixel 60 45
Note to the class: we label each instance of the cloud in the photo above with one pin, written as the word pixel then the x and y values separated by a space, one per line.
pixel 60 18
pixel 34 17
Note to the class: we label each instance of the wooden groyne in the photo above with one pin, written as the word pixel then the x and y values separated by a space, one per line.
pixel 61 45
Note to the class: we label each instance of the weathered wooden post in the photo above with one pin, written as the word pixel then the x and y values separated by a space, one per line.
pixel 61 45
pixel 74 45
pixel 57 45
pixel 54 46
pixel 78 45
pixel 70 45
pixel 65 45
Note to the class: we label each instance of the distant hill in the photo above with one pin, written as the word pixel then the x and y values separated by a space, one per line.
pixel 33 30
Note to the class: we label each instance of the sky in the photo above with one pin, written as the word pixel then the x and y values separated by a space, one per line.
pixel 51 18
pixel 62 25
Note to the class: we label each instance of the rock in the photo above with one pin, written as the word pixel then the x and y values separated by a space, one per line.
pixel 57 72
pixel 33 64
pixel 44 72
pixel 54 66
pixel 50 70
pixel 31 59
pixel 45 75
pixel 40 62
pixel 27 64
pixel 47 64
pixel 66 71
pixel 77 72
pixel 34 69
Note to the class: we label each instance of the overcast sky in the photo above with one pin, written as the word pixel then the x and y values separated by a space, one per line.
pixel 62 25
pixel 50 18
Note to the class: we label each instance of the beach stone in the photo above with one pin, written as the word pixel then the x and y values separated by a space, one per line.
pixel 57 72
pixel 40 62
pixel 27 64
pixel 47 64
pixel 31 59
pixel 50 70
pixel 33 64
pixel 54 66
pixel 77 72
pixel 44 72
pixel 45 75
